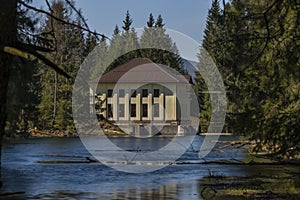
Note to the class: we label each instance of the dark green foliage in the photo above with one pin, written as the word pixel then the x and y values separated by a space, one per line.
pixel 22 96
pixel 127 22
pixel 210 43
pixel 151 21
pixel 116 30
pixel 165 51
pixel 159 22
pixel 98 59
pixel 204 103
pixel 56 91
pixel 90 43
pixel 255 45
pixel 126 46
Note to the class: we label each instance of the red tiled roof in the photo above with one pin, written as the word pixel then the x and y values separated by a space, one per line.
pixel 141 70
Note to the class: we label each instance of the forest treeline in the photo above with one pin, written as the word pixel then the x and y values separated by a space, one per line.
pixel 255 45
pixel 41 99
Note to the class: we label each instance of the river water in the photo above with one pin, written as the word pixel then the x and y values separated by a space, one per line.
pixel 57 168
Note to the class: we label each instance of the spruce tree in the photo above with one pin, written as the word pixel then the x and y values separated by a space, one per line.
pixel 210 45
pixel 256 52
pixel 121 44
pixel 22 95
pixel 48 78
pixel 127 22
pixel 151 21
pixel 90 43
pixel 116 30
pixel 165 51
pixel 56 91
pixel 159 22
pixel 100 59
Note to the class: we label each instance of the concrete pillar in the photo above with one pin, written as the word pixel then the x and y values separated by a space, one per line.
pixel 162 106
pixel 126 106
pixel 138 106
pixel 104 105
pixel 92 100
pixel 180 130
pixel 115 107
pixel 150 111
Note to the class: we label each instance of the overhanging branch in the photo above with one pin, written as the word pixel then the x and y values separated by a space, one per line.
pixel 37 48
pixel 33 52
pixel 79 14
pixel 60 20
pixel 268 37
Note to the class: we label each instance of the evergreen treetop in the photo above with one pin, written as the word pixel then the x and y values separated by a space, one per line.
pixel 127 22
pixel 159 22
pixel 151 21
pixel 116 30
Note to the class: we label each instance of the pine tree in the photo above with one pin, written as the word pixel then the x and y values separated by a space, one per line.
pixel 211 45
pixel 121 45
pixel 72 56
pixel 151 21
pixel 159 22
pixel 90 43
pixel 116 30
pixel 22 95
pixel 56 94
pixel 22 98
pixel 165 51
pixel 272 103
pixel 48 79
pixel 213 28
pixel 256 52
pixel 100 59
pixel 127 22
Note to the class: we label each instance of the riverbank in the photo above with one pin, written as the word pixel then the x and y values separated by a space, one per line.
pixel 269 182
pixel 267 179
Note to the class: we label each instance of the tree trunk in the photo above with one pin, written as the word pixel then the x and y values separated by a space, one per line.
pixel 8 37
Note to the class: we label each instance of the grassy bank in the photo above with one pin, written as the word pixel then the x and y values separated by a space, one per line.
pixel 264 182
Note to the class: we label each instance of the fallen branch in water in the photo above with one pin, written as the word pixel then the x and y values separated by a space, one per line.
pixel 11 193
pixel 236 144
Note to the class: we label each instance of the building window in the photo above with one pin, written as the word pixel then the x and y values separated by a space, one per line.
pixel 121 110
pixel 156 110
pixel 133 110
pixel 109 93
pixel 109 110
pixel 144 93
pixel 133 93
pixel 156 93
pixel 145 110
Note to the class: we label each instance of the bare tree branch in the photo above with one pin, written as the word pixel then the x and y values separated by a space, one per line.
pixel 62 21
pixel 32 51
pixel 49 6
pixel 78 13
pixel 37 48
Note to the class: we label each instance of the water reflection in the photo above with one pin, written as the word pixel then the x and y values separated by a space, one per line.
pixel 163 192
pixel 24 172
pixel 169 191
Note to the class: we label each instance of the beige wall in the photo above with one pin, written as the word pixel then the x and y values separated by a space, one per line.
pixel 166 102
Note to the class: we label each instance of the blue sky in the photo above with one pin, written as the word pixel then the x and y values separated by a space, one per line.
pixel 187 17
